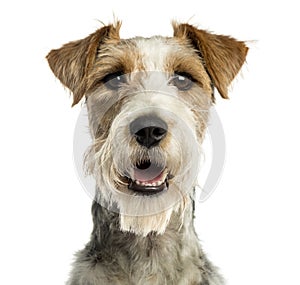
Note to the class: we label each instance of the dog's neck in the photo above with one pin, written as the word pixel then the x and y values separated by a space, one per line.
pixel 154 259
pixel 107 236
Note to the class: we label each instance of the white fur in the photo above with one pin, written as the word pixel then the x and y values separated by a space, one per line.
pixel 149 93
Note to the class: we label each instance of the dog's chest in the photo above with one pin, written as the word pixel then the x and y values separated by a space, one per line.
pixel 160 261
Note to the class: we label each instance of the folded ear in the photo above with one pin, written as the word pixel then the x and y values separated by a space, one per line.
pixel 223 56
pixel 72 62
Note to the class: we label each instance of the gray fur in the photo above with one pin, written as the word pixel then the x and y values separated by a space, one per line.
pixel 113 257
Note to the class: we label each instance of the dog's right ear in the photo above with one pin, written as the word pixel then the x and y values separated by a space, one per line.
pixel 72 62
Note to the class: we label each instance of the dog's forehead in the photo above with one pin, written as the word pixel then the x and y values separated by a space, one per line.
pixel 156 53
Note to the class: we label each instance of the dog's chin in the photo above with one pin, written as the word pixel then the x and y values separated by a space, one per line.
pixel 146 197
pixel 148 209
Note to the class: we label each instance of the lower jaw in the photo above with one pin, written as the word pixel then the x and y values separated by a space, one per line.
pixel 148 190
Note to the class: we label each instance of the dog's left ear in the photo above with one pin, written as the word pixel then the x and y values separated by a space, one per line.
pixel 223 56
pixel 72 62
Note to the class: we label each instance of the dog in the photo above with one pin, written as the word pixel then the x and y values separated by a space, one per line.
pixel 148 102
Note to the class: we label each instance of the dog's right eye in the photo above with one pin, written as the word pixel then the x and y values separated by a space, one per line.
pixel 113 81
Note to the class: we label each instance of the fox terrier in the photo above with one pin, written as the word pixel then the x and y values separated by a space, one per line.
pixel 148 102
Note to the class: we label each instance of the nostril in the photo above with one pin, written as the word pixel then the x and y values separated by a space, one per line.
pixel 150 136
pixel 148 130
pixel 158 133
pixel 142 133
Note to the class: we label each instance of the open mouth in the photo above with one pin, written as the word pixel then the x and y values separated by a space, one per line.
pixel 149 179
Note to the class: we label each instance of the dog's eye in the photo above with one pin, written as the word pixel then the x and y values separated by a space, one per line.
pixel 182 80
pixel 113 81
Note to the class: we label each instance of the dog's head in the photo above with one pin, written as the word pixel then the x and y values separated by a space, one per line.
pixel 148 101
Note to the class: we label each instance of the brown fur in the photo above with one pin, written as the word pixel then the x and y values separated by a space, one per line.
pixel 72 63
pixel 223 56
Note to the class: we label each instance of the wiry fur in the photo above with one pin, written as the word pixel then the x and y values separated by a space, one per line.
pixel 123 258
pixel 146 239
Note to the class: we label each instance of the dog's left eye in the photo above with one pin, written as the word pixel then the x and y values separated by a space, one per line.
pixel 182 80
pixel 113 81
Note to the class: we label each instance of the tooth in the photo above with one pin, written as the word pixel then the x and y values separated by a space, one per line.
pixel 137 182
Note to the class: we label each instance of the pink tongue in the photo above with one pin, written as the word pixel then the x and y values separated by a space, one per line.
pixel 152 174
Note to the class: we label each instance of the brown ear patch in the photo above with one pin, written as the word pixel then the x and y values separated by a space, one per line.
pixel 223 56
pixel 72 62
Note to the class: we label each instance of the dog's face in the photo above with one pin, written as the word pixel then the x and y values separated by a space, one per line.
pixel 148 103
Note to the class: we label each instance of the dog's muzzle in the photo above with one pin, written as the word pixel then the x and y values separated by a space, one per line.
pixel 149 178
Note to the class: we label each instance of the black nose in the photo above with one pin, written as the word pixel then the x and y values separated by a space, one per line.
pixel 148 130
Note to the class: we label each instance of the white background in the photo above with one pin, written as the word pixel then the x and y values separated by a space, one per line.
pixel 250 225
